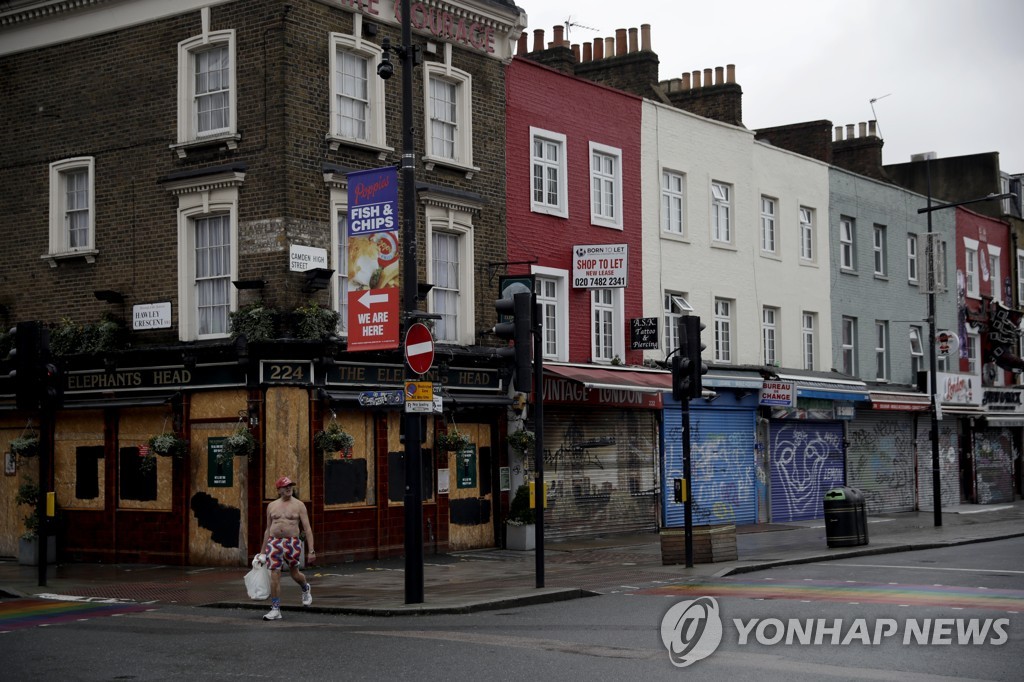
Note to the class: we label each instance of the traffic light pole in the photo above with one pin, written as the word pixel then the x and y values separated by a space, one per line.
pixel 540 497
pixel 687 487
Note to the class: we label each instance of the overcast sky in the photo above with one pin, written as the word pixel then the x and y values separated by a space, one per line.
pixel 947 75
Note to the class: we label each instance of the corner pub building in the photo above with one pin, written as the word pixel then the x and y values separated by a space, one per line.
pixel 154 211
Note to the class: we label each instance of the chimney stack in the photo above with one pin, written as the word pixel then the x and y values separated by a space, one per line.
pixel 712 93
pixel 624 62
pixel 861 153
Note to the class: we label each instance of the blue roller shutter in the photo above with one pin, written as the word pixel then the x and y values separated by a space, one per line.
pixel 805 460
pixel 722 461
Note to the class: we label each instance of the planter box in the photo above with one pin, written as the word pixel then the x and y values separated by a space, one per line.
pixel 710 544
pixel 28 551
pixel 522 538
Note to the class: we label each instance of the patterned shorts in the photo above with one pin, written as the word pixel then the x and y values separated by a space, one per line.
pixel 283 551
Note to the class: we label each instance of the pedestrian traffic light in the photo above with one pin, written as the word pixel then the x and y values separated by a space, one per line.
pixel 25 359
pixel 518 330
pixel 681 367
pixel 694 348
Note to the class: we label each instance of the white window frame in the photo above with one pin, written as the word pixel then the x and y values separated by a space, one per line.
pixel 808 245
pixel 1020 281
pixel 971 273
pixel 847 237
pixel 605 186
pixel 611 313
pixel 215 194
pixel 881 350
pixel 995 274
pixel 554 308
pixel 808 323
pixel 338 184
pixel 560 207
pixel 674 308
pixel 769 233
pixel 60 238
pixel 188 125
pixel 973 360
pixel 456 219
pixel 880 250
pixel 917 359
pixel 673 203
pixel 463 82
pixel 912 260
pixel 723 319
pixel 721 213
pixel 848 345
pixel 375 137
pixel 769 335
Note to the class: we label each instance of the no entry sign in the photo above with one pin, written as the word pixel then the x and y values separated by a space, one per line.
pixel 419 348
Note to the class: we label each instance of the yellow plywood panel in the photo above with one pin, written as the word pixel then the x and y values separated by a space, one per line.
pixel 360 424
pixel 218 404
pixel 24 469
pixel 217 515
pixel 77 430
pixel 135 428
pixel 286 431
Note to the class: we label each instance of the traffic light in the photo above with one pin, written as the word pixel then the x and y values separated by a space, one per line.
pixel 25 359
pixel 694 348
pixel 681 367
pixel 518 330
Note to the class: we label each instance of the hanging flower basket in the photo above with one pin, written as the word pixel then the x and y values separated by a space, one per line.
pixel 147 459
pixel 239 443
pixel 522 441
pixel 334 438
pixel 25 446
pixel 167 445
pixel 451 441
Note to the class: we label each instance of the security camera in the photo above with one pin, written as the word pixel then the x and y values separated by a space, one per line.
pixel 385 69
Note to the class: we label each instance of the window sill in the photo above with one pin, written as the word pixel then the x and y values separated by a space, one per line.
pixel 725 246
pixel 227 142
pixel 600 222
pixel 549 210
pixel 808 263
pixel 89 255
pixel 882 278
pixel 430 161
pixel 335 142
pixel 675 237
pixel 771 255
pixel 848 271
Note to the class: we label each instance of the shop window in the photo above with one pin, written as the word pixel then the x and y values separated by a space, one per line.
pixel 87 473
pixel 136 482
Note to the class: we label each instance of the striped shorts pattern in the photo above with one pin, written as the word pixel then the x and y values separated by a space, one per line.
pixel 282 552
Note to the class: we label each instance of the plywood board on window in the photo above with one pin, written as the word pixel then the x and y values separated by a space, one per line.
pixel 216 516
pixel 135 428
pixel 79 430
pixel 286 432
pixel 362 465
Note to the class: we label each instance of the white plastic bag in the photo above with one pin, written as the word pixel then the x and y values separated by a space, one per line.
pixel 257 580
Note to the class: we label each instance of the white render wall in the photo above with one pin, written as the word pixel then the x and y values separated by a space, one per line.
pixel 705 150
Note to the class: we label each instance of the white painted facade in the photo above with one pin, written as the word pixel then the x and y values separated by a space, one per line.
pixel 702 269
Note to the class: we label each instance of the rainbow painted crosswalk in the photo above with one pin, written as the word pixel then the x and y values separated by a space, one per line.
pixel 861 593
pixel 27 613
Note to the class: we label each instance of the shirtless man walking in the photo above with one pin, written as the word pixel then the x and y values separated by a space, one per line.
pixel 283 546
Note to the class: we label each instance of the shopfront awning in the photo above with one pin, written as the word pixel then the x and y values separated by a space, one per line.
pixel 451 399
pixel 640 380
pixel 819 385
pixel 724 378
pixel 1004 420
pixel 899 401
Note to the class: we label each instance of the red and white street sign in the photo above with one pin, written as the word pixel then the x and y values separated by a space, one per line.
pixel 373 319
pixel 419 348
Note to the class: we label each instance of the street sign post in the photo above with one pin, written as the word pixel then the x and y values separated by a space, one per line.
pixel 419 348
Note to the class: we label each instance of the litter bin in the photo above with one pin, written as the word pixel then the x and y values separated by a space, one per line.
pixel 846 523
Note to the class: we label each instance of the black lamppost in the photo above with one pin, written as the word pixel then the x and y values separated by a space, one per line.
pixel 932 267
pixel 410 292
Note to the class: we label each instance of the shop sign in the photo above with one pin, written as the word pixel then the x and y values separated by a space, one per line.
pixel 451 378
pixel 781 393
pixel 565 392
pixel 219 469
pixel 643 333
pixel 465 463
pixel 600 266
pixel 959 389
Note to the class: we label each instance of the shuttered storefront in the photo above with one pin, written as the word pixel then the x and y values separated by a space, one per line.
pixel 722 466
pixel 880 460
pixel 600 468
pixel 994 450
pixel 805 461
pixel 949 464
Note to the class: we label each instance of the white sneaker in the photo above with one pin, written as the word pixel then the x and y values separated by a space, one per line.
pixel 307 596
pixel 273 614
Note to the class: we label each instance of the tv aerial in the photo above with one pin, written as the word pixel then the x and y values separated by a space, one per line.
pixel 569 24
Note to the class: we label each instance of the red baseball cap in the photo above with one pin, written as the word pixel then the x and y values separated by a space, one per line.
pixel 284 482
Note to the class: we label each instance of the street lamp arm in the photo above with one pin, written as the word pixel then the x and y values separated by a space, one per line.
pixel 990 197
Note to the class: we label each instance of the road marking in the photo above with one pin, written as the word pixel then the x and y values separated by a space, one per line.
pixel 928 568
pixel 983 511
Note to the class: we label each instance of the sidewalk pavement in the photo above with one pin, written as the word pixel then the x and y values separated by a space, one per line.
pixel 464 582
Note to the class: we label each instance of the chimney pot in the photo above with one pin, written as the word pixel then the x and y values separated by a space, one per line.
pixel 849 131
pixel 609 47
pixel 559 33
pixel 645 37
pixel 538 39
pixel 599 49
pixel 522 45
pixel 839 134
pixel 620 42
pixel 707 78
pixel 588 53
pixel 873 128
pixel 730 73
pixel 674 85
pixel 576 52
pixel 633 40
pixel 863 129
pixel 719 75
pixel 696 79
pixel 686 81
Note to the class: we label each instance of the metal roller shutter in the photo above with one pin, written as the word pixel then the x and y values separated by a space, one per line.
pixel 806 461
pixel 949 464
pixel 600 469
pixel 722 463
pixel 993 465
pixel 880 460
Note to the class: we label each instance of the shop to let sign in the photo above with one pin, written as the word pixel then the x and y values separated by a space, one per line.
pixel 599 266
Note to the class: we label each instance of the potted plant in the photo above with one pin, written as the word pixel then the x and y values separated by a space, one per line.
pixel 239 443
pixel 28 543
pixel 25 446
pixel 314 322
pixel 254 321
pixel 147 459
pixel 522 441
pixel 451 441
pixel 334 438
pixel 520 528
pixel 167 445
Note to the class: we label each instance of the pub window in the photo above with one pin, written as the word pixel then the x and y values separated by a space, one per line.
pixel 349 474
pixel 136 481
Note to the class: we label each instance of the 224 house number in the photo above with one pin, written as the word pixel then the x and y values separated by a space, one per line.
pixel 287 372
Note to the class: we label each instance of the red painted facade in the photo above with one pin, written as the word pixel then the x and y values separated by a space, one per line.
pixel 584 112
